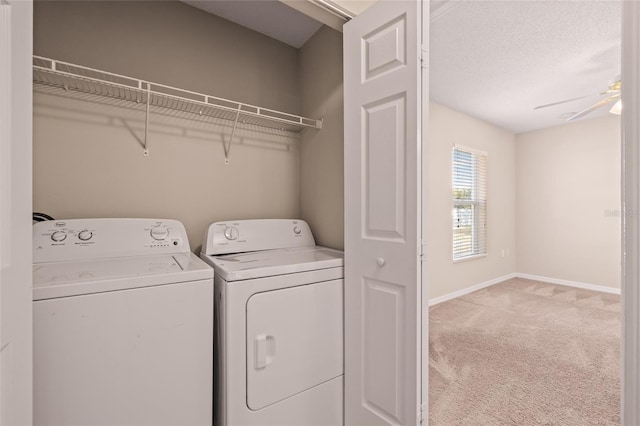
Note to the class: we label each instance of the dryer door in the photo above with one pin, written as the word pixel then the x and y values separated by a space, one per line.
pixel 294 341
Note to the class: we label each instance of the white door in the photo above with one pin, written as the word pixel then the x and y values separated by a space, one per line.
pixel 383 294
pixel 15 212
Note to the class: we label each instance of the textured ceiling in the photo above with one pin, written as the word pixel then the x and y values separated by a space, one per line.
pixel 497 60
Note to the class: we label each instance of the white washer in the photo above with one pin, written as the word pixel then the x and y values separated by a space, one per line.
pixel 279 324
pixel 123 324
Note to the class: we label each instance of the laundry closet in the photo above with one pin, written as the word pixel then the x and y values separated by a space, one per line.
pixel 95 156
pixel 105 158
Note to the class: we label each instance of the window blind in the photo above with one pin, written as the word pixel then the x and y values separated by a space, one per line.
pixel 469 203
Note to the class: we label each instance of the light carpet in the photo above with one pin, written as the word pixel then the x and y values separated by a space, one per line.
pixel 525 353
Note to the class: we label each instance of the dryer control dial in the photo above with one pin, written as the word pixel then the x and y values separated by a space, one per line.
pixel 85 235
pixel 231 233
pixel 159 233
pixel 59 236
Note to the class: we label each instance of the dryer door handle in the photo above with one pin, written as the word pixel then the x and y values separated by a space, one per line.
pixel 265 350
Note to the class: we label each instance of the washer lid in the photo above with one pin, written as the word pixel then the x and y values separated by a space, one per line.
pixel 267 263
pixel 63 279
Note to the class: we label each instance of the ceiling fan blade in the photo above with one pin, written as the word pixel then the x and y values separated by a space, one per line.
pixel 594 107
pixel 562 102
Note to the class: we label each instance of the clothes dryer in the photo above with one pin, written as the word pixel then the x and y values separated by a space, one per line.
pixel 123 324
pixel 279 324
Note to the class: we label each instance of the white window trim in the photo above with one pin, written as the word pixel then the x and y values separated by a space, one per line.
pixel 470 257
pixel 471 150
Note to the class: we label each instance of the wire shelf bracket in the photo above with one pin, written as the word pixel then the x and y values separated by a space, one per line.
pixel 53 76
pixel 227 146
pixel 146 122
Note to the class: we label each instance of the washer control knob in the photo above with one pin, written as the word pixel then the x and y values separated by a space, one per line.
pixel 159 233
pixel 59 236
pixel 85 235
pixel 231 233
pixel 297 230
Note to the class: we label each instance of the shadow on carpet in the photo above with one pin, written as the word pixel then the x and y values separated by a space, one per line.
pixel 525 353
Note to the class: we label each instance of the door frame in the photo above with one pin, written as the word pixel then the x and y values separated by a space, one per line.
pixel 630 230
pixel 424 331
pixel 630 368
pixel 630 285
pixel 630 398
pixel 16 88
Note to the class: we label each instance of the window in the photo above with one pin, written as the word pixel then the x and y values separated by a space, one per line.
pixel 469 203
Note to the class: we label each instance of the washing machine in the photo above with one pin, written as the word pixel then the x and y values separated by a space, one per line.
pixel 123 324
pixel 279 324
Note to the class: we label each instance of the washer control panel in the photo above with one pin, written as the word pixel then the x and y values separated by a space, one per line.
pixel 74 239
pixel 240 236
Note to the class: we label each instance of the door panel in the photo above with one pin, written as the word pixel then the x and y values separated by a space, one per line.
pixel 385 48
pixel 384 332
pixel 383 294
pixel 385 160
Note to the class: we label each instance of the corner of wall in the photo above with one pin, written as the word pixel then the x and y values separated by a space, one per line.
pixel 322 151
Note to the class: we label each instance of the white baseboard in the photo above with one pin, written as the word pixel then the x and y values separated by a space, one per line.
pixel 498 280
pixel 577 284
pixel 471 289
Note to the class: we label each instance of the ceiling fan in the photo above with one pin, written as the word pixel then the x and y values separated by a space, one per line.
pixel 613 95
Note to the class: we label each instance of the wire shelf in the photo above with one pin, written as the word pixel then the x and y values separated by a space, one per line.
pixel 51 76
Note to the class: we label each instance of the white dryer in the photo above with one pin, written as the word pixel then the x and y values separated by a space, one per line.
pixel 123 324
pixel 279 324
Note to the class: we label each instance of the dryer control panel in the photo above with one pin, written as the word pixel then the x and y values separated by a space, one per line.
pixel 76 239
pixel 241 236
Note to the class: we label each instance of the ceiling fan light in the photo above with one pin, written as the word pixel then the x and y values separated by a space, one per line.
pixel 616 108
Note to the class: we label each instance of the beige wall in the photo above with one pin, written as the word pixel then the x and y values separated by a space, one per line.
pixel 322 152
pixel 446 128
pixel 568 202
pixel 171 43
pixel 87 158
